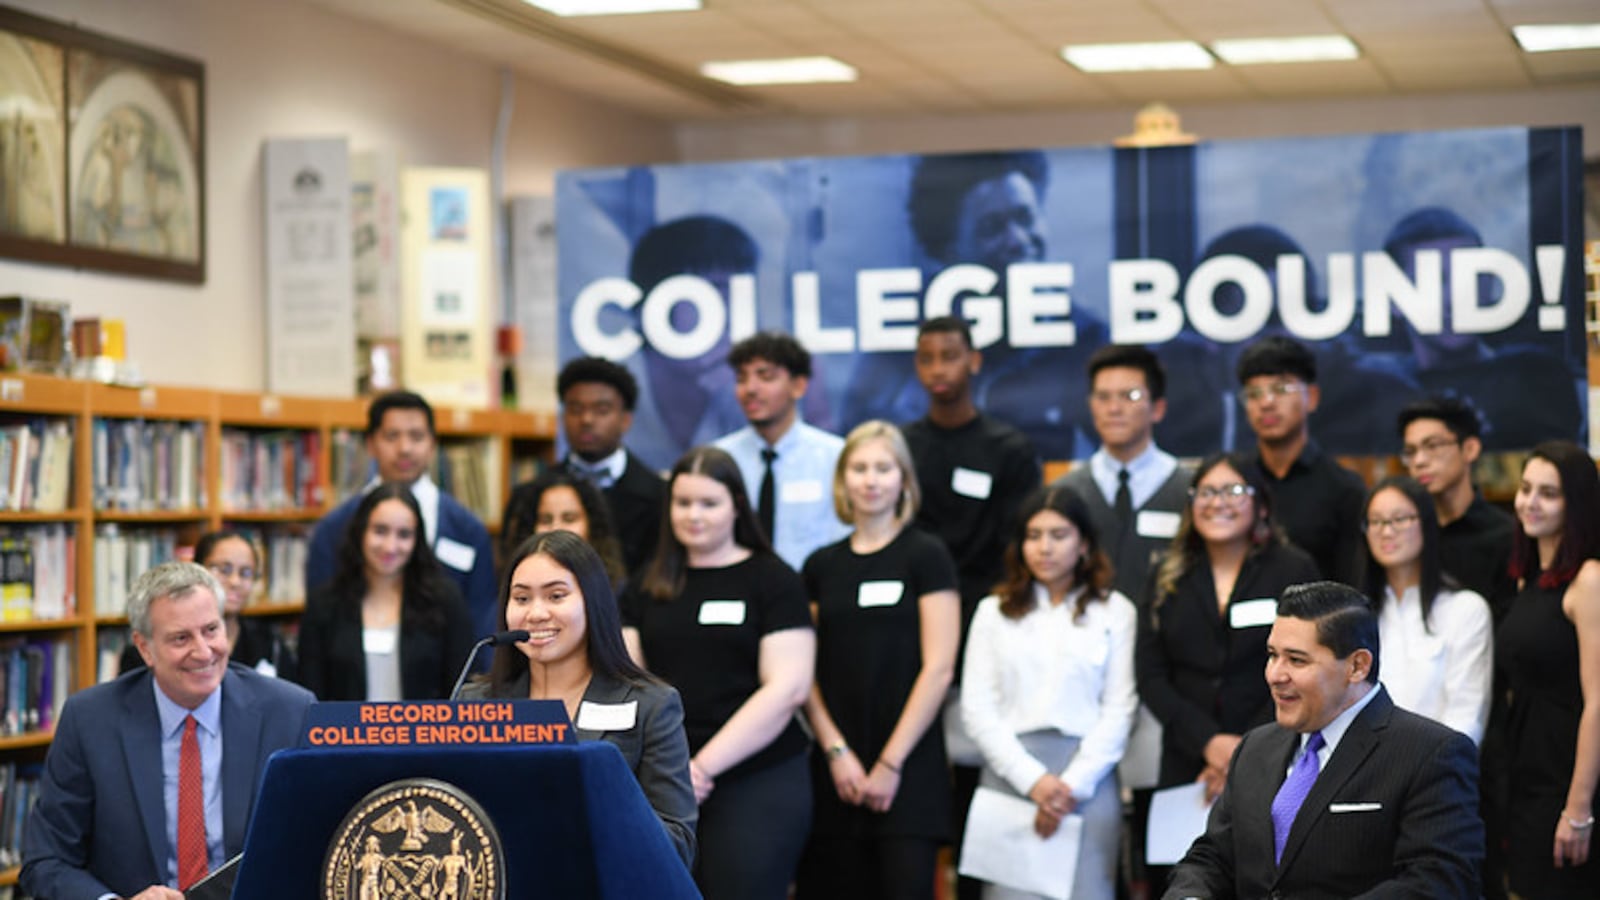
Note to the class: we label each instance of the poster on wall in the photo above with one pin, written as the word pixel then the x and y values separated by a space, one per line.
pixel 533 287
pixel 311 341
pixel 447 315
pixel 102 151
pixel 1410 263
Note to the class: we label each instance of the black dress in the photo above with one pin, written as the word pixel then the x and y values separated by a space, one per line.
pixel 1537 649
pixel 869 652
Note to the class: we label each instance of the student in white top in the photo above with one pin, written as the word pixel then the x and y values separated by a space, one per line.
pixel 1437 638
pixel 1049 691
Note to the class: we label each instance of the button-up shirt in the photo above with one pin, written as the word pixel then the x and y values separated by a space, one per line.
pixel 804 519
pixel 208 731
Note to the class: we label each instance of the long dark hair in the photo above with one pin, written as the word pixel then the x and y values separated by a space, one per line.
pixel 422 582
pixel 1580 520
pixel 1092 573
pixel 1433 577
pixel 522 519
pixel 667 571
pixel 1188 550
pixel 603 644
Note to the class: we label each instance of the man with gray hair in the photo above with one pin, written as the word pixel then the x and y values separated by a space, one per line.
pixel 150 780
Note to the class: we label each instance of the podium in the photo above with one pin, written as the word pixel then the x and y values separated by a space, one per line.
pixel 571 819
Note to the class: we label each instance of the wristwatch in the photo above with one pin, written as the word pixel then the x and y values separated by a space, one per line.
pixel 837 749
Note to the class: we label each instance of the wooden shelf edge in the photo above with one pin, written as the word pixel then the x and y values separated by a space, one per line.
pixel 26 739
pixel 274 609
pixel 25 625
pixel 9 875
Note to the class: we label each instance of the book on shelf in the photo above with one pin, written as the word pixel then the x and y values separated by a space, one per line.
pixel 270 470
pixel 38 677
pixel 282 550
pixel 122 555
pixel 37 572
pixel 472 471
pixel 36 465
pixel 19 791
pixel 144 466
pixel 350 466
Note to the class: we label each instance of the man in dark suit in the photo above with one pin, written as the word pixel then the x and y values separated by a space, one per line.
pixel 597 400
pixel 1346 794
pixel 150 779
pixel 401 441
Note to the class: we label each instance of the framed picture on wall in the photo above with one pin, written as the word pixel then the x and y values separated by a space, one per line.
pixel 102 152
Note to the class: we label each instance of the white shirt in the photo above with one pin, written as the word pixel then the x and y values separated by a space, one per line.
pixel 1047 671
pixel 1445 674
pixel 804 519
pixel 613 466
pixel 1147 472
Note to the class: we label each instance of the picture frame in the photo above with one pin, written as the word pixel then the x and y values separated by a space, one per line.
pixel 102 152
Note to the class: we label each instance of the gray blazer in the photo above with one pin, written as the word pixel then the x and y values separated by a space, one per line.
pixel 655 747
pixel 1394 814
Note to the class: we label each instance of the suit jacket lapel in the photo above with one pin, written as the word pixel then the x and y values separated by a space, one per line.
pixel 1359 740
pixel 141 746
pixel 1254 820
pixel 241 748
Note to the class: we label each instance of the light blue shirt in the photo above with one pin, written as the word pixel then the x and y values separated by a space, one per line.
pixel 208 730
pixel 1147 472
pixel 804 519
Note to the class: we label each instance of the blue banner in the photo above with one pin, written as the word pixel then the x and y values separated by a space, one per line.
pixel 1445 262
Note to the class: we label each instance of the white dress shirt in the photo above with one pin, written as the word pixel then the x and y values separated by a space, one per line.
pixel 1441 671
pixel 1046 670
pixel 804 519
pixel 1147 472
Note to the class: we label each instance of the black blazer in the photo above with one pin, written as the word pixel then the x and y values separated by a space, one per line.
pixel 334 665
pixel 1394 814
pixel 635 500
pixel 1200 676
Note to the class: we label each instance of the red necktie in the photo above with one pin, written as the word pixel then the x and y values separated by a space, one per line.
pixel 192 864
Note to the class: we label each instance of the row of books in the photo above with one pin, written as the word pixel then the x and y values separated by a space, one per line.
pixel 35 679
pixel 147 466
pixel 471 471
pixel 19 790
pixel 38 574
pixel 349 465
pixel 120 556
pixel 283 551
pixel 270 470
pixel 36 465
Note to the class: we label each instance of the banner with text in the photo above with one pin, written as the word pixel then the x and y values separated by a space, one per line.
pixel 1411 264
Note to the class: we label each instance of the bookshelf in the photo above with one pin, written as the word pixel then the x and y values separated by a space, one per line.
pixel 117 479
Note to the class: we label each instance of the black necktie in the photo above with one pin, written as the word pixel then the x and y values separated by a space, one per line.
pixel 765 502
pixel 1124 504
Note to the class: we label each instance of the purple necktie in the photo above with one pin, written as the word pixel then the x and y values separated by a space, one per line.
pixel 1293 793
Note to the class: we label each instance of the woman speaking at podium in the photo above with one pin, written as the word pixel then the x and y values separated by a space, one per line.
pixel 558 591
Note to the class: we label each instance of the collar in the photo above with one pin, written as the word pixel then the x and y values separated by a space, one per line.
pixel 613 465
pixel 1104 466
pixel 1334 731
pixel 208 715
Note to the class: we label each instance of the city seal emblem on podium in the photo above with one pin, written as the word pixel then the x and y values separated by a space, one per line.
pixel 416 839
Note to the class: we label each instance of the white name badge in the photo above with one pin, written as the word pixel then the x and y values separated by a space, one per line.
pixel 607 716
pixel 379 641
pixel 971 483
pixel 809 491
pixel 1153 523
pixel 879 593
pixel 455 554
pixel 722 612
pixel 266 668
pixel 1252 613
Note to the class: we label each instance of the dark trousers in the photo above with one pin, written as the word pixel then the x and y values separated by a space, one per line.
pixel 752 830
pixel 865 868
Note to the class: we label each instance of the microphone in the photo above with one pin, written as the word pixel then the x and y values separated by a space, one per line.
pixel 499 639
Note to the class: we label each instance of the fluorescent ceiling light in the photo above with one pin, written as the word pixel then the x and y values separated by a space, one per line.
pixel 613 7
pixel 1538 38
pixel 1138 57
pixel 798 70
pixel 1312 48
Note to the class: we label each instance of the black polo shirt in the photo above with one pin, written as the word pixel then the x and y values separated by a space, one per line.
pixel 1318 503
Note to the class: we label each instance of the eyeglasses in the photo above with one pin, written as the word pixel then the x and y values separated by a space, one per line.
pixel 1131 395
pixel 1276 390
pixel 226 570
pixel 1227 493
pixel 1395 524
pixel 1430 446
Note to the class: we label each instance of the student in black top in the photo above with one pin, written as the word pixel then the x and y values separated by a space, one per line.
pixel 719 616
pixel 390 625
pixel 1317 501
pixel 1440 440
pixel 560 500
pixel 597 400
pixel 232 558
pixel 1202 642
pixel 887 617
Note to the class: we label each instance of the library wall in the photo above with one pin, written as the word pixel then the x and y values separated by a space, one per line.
pixel 281 68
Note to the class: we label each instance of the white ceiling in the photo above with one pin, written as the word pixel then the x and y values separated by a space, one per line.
pixel 962 56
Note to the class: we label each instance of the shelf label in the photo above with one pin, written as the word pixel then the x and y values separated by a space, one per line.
pixel 12 390
pixel 147 398
pixel 461 418
pixel 271 405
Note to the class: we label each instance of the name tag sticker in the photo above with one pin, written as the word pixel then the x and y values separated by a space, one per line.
pixel 454 554
pixel 722 612
pixel 607 716
pixel 1354 807
pixel 879 593
pixel 971 483
pixel 808 491
pixel 379 641
pixel 1153 523
pixel 1252 613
